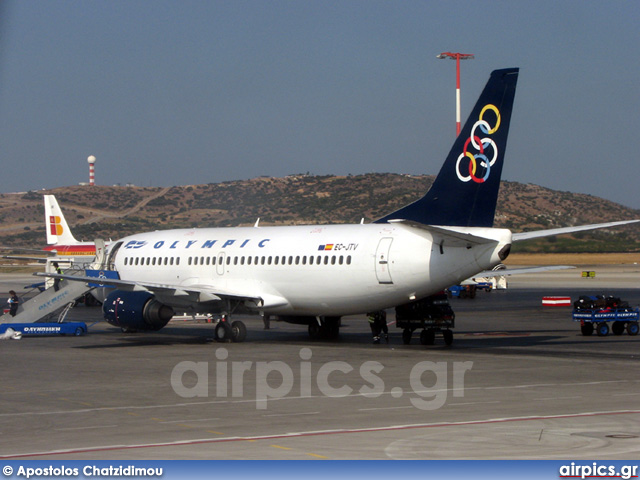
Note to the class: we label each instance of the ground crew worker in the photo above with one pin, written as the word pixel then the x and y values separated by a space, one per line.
pixel 56 281
pixel 378 324
pixel 13 302
pixel 382 319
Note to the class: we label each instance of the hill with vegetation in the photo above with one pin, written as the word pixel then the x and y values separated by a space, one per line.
pixel 113 212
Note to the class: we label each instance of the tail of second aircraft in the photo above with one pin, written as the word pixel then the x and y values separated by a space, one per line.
pixel 465 191
pixel 58 231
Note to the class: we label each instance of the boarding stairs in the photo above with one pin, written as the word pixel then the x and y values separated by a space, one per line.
pixel 50 302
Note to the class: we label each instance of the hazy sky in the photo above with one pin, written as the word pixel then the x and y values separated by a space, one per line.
pixel 192 92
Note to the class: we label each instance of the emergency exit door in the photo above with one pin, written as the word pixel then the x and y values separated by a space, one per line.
pixel 382 261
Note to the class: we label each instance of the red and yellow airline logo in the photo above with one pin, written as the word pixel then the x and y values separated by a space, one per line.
pixel 54 225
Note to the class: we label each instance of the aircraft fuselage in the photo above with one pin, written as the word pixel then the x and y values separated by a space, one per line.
pixel 309 270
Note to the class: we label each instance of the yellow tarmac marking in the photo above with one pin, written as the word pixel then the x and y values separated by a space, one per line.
pixel 213 431
pixel 282 448
pixel 322 457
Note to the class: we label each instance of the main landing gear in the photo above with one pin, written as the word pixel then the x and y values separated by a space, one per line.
pixel 227 331
pixel 324 328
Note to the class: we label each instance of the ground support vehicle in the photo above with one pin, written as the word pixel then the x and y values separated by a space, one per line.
pixel 596 319
pixel 39 329
pixel 462 291
pixel 433 315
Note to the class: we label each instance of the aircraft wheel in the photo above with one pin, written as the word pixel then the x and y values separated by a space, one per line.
pixel 331 327
pixel 314 330
pixel 587 329
pixel 427 337
pixel 448 337
pixel 222 333
pixel 603 329
pixel 238 331
pixel 406 336
pixel 617 328
pixel 632 328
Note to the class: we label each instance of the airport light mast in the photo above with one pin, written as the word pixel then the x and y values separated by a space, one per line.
pixel 457 57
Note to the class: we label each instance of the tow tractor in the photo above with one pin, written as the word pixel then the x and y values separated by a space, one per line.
pixel 432 314
pixel 594 311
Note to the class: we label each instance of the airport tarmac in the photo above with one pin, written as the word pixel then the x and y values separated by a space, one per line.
pixel 519 382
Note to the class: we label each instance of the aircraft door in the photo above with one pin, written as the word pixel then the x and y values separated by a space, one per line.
pixel 220 263
pixel 382 261
pixel 111 261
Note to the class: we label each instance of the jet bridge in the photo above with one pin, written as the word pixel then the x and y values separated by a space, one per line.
pixel 49 303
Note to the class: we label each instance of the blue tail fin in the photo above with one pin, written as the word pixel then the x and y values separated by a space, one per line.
pixel 465 192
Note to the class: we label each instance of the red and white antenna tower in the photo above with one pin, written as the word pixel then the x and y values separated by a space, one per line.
pixel 92 170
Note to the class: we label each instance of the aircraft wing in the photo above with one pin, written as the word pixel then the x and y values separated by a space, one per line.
pixel 518 237
pixel 24 249
pixel 31 259
pixel 178 293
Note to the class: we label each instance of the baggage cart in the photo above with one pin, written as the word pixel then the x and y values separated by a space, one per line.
pixel 433 315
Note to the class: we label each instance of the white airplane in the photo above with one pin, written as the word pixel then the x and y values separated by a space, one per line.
pixel 315 274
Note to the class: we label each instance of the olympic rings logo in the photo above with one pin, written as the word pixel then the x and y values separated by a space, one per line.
pixel 477 166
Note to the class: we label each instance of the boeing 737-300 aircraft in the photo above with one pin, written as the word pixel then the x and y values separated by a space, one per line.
pixel 314 274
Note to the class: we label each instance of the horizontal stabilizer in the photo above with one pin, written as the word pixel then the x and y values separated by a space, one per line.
pixel 453 237
pixel 520 271
pixel 518 237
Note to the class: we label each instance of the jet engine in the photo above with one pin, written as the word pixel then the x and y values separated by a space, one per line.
pixel 133 311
